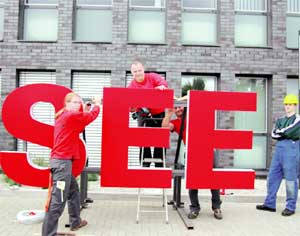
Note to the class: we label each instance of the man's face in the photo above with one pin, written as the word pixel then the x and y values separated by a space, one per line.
pixel 178 111
pixel 137 71
pixel 290 108
pixel 74 104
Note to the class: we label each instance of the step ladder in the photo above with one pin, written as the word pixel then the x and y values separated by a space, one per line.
pixel 164 193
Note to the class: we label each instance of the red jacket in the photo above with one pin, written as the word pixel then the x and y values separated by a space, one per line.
pixel 67 128
pixel 177 126
pixel 151 80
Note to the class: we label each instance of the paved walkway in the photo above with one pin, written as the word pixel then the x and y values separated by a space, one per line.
pixel 114 210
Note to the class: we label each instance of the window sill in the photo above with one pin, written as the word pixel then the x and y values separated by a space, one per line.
pixel 157 44
pixel 32 41
pixel 291 48
pixel 255 47
pixel 201 45
pixel 90 42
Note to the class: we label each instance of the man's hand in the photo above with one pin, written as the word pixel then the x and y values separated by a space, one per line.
pixel 97 101
pixel 161 87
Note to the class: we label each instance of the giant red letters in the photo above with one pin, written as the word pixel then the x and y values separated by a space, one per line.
pixel 117 136
pixel 18 122
pixel 203 138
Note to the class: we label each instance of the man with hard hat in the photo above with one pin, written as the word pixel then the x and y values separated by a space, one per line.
pixel 285 161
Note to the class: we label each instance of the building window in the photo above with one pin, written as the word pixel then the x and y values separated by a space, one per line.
pixel 292 23
pixel 147 21
pixel 88 85
pixel 40 20
pixel 93 21
pixel 251 23
pixel 199 22
pixel 1 19
pixel 256 121
pixel 41 111
pixel 292 86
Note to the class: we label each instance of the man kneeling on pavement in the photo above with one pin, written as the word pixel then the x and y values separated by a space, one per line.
pixel 175 125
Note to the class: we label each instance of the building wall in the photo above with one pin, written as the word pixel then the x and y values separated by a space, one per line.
pixel 225 59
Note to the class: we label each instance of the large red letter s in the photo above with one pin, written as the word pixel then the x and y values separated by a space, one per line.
pixel 19 123
pixel 117 136
pixel 203 138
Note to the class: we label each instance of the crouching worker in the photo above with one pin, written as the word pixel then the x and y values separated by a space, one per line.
pixel 285 161
pixel 69 123
pixel 175 125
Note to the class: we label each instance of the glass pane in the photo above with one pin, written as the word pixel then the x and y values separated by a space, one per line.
pixel 199 28
pixel 146 27
pixel 293 6
pixel 1 22
pixel 251 30
pixel 250 5
pixel 95 2
pixel 42 1
pixel 94 25
pixel 199 4
pixel 147 3
pixel 292 87
pixel 255 121
pixel 36 21
pixel 292 29
pixel 209 81
pixel 255 158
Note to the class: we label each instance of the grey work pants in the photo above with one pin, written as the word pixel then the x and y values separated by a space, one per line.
pixel 215 199
pixel 61 171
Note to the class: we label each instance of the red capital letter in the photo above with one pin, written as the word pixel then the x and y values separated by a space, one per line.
pixel 117 136
pixel 203 138
pixel 19 123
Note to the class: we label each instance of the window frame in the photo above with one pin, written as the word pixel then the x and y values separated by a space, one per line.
pixel 91 7
pixel 215 11
pixel 147 8
pixel 23 6
pixel 268 122
pixel 266 13
pixel 2 5
pixel 292 14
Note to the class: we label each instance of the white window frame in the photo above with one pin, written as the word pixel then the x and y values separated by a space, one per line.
pixel 135 7
pixel 93 6
pixel 292 14
pixel 147 8
pixel 256 12
pixel 200 9
pixel 89 7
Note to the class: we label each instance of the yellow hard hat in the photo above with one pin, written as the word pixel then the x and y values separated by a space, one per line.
pixel 290 99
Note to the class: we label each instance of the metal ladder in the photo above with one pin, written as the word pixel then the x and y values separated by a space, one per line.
pixel 164 195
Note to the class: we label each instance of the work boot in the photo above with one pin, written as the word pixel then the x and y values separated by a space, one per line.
pixel 218 214
pixel 193 214
pixel 265 208
pixel 82 224
pixel 287 212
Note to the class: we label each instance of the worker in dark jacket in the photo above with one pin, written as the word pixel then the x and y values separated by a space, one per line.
pixel 285 161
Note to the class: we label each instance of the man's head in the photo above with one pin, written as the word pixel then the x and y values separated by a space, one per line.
pixel 73 102
pixel 137 71
pixel 290 104
pixel 178 111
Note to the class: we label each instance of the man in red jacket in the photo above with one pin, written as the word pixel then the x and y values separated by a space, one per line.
pixel 175 125
pixel 142 80
pixel 69 123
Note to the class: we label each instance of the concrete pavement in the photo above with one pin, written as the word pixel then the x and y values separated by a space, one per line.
pixel 113 213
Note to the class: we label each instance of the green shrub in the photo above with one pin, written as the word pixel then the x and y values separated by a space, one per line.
pixel 92 177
